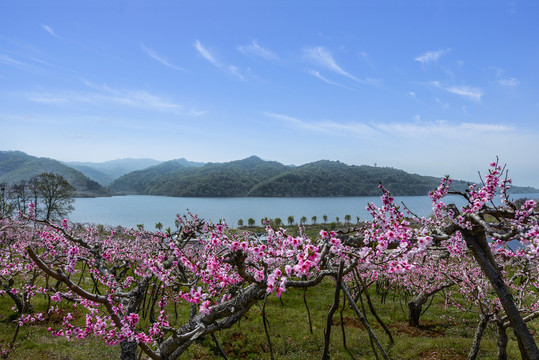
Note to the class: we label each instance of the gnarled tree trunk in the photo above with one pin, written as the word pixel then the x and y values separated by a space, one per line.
pixel 477 242
pixel 474 350
pixel 414 309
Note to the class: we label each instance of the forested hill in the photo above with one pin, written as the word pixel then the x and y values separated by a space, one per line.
pixel 173 178
pixel 256 177
pixel 16 166
pixel 333 178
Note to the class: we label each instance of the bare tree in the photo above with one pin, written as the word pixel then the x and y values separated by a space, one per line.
pixel 56 194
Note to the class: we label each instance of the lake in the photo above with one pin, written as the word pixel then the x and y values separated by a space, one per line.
pixel 131 210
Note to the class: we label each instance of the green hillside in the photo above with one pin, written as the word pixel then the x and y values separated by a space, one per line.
pixel 174 178
pixel 248 177
pixel 259 178
pixel 16 166
pixel 137 182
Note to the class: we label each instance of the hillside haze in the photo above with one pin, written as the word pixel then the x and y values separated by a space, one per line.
pixel 106 172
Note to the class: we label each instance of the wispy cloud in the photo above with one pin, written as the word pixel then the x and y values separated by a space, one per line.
pixel 467 92
pixel 323 57
pixel 358 129
pixel 8 60
pixel 154 55
pixel 443 105
pixel 366 58
pixel 49 98
pixel 441 129
pixel 254 49
pixel 50 31
pixel 319 76
pixel 206 54
pixel 509 82
pixel 417 129
pixel 431 56
pixel 105 95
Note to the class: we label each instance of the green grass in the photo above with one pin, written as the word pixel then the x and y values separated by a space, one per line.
pixel 438 338
pixel 312 231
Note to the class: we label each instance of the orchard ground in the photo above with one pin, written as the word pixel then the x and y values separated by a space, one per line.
pixel 443 334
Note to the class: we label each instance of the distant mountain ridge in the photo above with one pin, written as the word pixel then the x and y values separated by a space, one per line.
pixel 259 178
pixel 106 172
pixel 16 166
pixel 252 177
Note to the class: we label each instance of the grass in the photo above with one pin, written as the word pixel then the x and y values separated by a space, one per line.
pixel 312 231
pixel 444 333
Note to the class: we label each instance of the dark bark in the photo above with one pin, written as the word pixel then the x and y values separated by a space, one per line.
pixel 219 347
pixel 329 321
pixel 308 311
pixel 502 339
pixel 372 335
pixel 373 310
pixel 129 350
pixel 414 309
pixel 474 350
pixel 477 242
pixel 222 316
pixel 265 321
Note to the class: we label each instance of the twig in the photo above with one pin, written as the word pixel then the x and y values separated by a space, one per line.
pixel 265 321
pixel 219 347
pixel 308 311
pixel 327 333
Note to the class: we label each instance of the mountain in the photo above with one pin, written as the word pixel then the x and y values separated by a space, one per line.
pixel 16 166
pixel 178 178
pixel 231 179
pixel 248 177
pixel 258 178
pixel 106 172
pixel 136 182
pixel 333 178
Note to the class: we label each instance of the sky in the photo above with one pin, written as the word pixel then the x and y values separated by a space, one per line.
pixel 430 87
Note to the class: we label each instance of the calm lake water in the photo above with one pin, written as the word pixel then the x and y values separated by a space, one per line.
pixel 128 211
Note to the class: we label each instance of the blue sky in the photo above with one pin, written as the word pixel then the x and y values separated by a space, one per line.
pixel 431 87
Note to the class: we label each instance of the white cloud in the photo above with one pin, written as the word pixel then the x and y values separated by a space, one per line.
pixel 154 55
pixel 324 58
pixel 509 82
pixel 467 92
pixel 206 54
pixel 434 83
pixel 422 131
pixel 319 76
pixel 50 31
pixel 50 98
pixel 359 129
pixel 431 56
pixel 365 56
pixel 8 60
pixel 103 94
pixel 443 105
pixel 257 50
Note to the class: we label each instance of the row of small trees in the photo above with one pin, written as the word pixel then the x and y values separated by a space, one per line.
pixel 291 220
pixel 131 282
